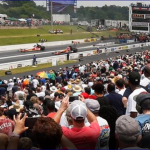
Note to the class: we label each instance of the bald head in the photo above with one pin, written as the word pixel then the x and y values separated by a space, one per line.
pixel 147 71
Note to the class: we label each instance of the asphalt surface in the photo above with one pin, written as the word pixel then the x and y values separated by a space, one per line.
pixel 12 56
pixel 85 60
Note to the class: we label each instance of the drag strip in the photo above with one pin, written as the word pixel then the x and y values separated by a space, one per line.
pixel 18 56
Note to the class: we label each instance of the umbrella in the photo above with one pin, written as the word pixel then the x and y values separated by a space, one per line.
pixel 43 74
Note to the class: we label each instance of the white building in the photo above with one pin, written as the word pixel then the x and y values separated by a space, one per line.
pixel 139 18
pixel 115 23
pixel 61 17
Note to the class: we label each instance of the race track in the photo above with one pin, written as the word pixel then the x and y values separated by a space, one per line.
pixel 12 56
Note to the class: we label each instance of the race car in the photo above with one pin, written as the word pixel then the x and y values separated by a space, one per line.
pixel 69 49
pixel 36 47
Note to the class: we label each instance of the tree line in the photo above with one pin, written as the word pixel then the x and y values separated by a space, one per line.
pixel 26 9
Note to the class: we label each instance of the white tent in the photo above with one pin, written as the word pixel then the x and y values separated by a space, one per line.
pixel 23 20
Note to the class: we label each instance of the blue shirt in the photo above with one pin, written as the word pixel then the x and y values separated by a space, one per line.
pixel 144 123
pixel 115 100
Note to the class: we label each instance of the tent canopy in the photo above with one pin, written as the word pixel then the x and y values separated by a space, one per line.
pixel 12 19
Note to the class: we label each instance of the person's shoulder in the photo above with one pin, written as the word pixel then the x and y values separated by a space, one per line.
pixel 143 117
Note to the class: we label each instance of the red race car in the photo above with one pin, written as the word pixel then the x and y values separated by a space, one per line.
pixel 69 49
pixel 36 47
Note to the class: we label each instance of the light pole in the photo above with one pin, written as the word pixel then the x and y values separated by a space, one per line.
pixel 52 15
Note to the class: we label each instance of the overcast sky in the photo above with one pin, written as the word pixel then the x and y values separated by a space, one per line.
pixel 99 3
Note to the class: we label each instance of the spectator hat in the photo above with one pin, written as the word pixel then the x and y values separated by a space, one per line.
pixel 53 89
pixel 17 106
pixel 141 97
pixel 10 80
pixel 92 105
pixel 77 81
pixel 77 88
pixel 127 128
pixel 134 77
pixel 78 110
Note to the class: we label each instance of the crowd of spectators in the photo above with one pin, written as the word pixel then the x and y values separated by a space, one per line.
pixel 100 105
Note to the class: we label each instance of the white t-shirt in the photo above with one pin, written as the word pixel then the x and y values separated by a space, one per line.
pixel 131 104
pixel 144 82
pixel 35 82
pixel 40 94
pixel 121 92
pixel 43 88
pixel 81 69
pixel 10 86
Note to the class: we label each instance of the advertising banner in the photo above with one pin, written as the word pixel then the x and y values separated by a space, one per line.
pixel 124 47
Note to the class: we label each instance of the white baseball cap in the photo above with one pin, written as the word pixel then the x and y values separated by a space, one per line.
pixel 78 110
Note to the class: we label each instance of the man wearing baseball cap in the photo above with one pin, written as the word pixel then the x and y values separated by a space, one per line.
pixel 134 83
pixel 143 107
pixel 81 136
pixel 127 132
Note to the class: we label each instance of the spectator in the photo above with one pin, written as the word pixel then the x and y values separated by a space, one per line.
pixel 103 140
pixel 25 143
pixel 134 83
pixel 99 93
pixel 115 99
pixel 51 109
pixel 121 86
pixel 127 132
pixel 6 125
pixel 145 81
pixel 35 82
pixel 110 114
pixel 143 107
pixel 39 92
pixel 82 137
pixel 50 136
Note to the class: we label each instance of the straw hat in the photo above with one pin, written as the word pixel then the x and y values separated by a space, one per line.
pixel 77 88
pixel 77 81
pixel 17 106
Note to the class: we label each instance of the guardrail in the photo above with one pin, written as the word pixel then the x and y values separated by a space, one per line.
pixel 12 65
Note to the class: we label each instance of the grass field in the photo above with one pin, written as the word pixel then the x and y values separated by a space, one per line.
pixel 23 36
pixel 31 68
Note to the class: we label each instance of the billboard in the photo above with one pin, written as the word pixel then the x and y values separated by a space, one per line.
pixel 60 6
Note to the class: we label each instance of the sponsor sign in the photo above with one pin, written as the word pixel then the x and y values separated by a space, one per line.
pixel 95 52
pixel 112 49
pixel 88 54
pixel 125 47
pixel 19 65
